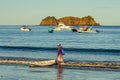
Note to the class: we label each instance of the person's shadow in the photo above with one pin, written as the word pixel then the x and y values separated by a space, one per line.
pixel 59 72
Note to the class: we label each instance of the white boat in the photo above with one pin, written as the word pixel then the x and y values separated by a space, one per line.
pixel 87 30
pixel 25 28
pixel 42 63
pixel 62 26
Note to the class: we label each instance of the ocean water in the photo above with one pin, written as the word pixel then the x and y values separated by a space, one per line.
pixel 39 44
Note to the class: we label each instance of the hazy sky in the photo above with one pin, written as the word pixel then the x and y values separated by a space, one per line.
pixel 18 12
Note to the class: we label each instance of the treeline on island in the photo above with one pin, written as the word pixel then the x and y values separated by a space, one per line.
pixel 70 21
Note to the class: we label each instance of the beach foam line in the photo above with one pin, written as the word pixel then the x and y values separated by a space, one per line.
pixel 112 65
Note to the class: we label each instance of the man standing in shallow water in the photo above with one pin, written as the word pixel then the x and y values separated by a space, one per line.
pixel 59 55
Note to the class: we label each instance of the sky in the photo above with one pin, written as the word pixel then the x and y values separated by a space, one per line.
pixel 31 12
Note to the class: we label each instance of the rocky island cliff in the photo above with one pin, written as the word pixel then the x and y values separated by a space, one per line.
pixel 70 21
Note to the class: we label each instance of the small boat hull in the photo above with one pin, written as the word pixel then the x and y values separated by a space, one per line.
pixel 42 63
pixel 74 30
pixel 25 28
pixel 88 31
pixel 50 30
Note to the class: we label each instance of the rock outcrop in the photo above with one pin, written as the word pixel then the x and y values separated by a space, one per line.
pixel 69 20
pixel 49 21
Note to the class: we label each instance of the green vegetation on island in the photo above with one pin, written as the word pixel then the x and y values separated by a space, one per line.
pixel 70 21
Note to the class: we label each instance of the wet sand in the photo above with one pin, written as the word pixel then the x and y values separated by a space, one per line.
pixel 115 65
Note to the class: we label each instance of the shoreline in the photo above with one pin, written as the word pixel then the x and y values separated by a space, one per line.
pixel 42 63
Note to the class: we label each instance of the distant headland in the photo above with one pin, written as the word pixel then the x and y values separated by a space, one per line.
pixel 70 21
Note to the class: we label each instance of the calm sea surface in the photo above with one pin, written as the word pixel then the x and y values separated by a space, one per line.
pixel 39 44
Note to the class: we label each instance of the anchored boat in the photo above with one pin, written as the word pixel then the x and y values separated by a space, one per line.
pixel 50 30
pixel 61 26
pixel 25 28
pixel 87 30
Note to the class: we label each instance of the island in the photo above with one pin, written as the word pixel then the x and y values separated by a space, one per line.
pixel 69 21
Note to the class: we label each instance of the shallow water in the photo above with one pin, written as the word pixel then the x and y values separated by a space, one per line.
pixel 15 72
pixel 39 44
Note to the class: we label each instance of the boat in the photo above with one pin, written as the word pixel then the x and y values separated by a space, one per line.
pixel 42 63
pixel 50 30
pixel 62 26
pixel 74 30
pixel 87 30
pixel 25 28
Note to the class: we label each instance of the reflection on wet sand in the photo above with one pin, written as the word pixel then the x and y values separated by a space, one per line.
pixel 59 72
